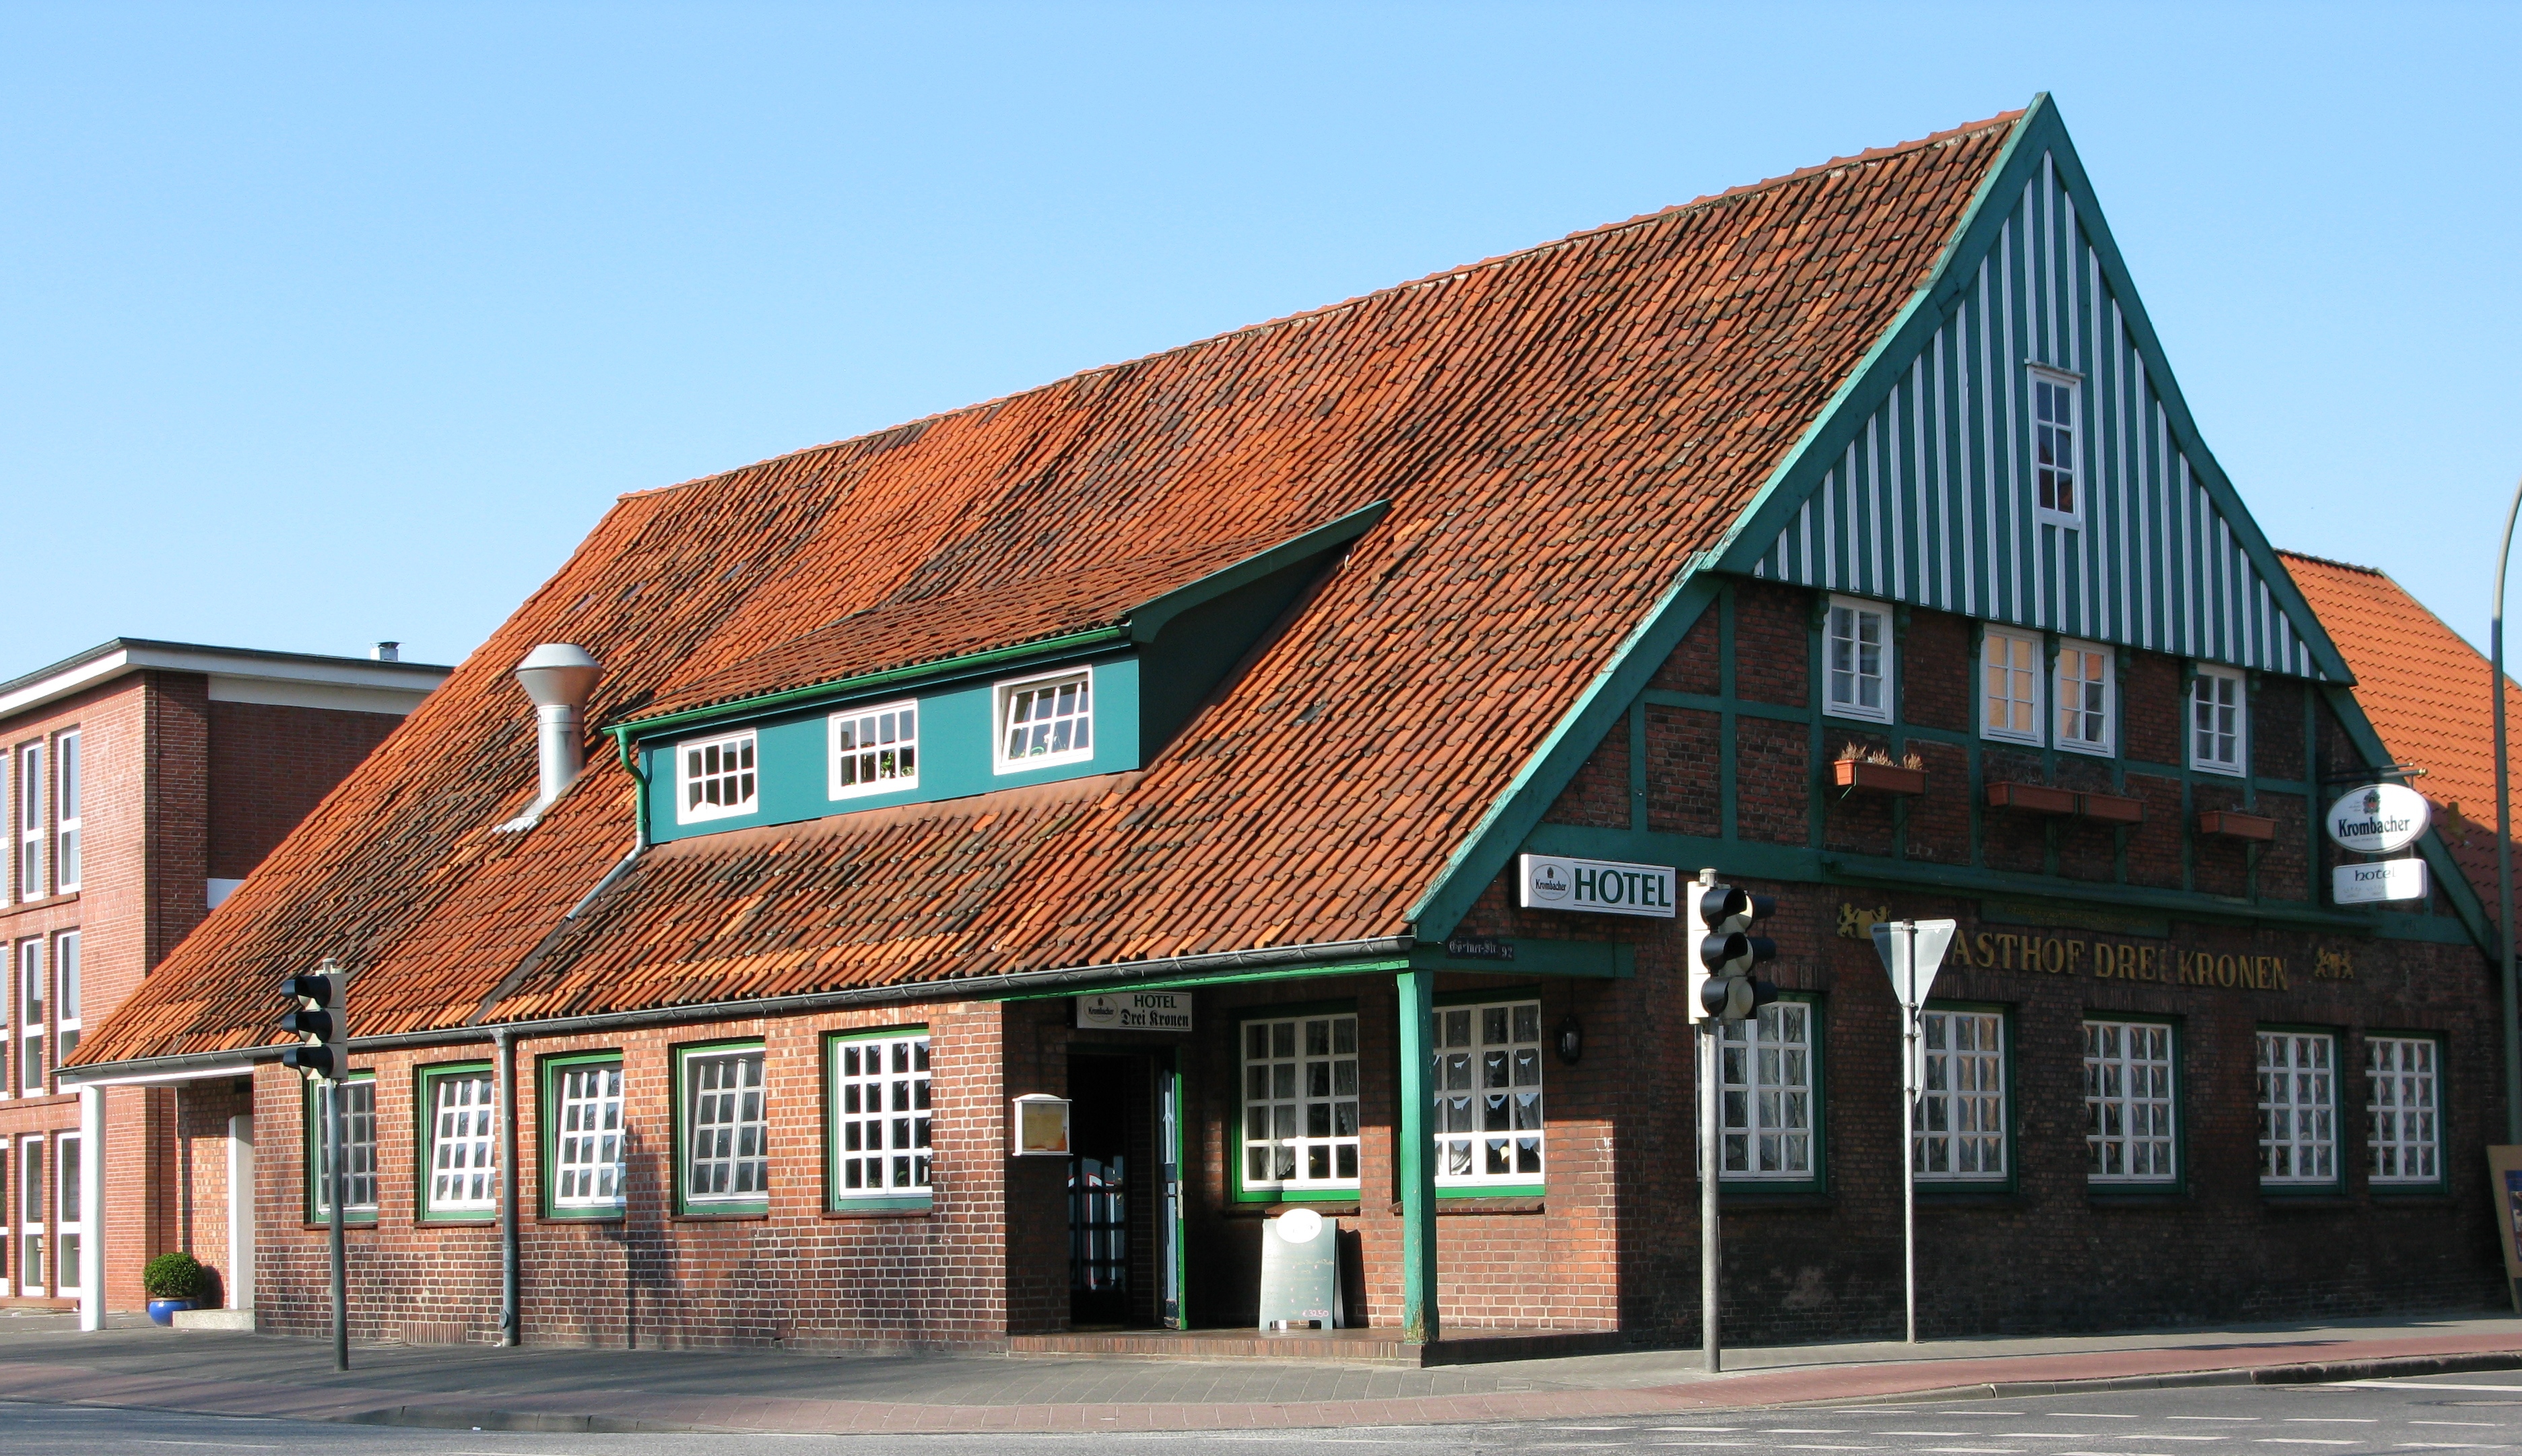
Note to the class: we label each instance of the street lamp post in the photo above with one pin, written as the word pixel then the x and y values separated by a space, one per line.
pixel 2505 844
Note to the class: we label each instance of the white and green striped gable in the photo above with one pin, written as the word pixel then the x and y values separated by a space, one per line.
pixel 1919 483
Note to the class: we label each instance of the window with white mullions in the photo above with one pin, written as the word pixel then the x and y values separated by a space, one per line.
pixel 69 1214
pixel 31 1226
pixel 880 1117
pixel 66 994
pixel 1960 1123
pixel 717 777
pixel 2010 686
pixel 1487 1085
pixel 1766 1104
pixel 1301 1123
pixel 2217 724
pixel 728 1154
pixel 2129 1101
pixel 2055 422
pixel 32 1013
pixel 1856 660
pixel 1046 721
pixel 67 820
pixel 2402 1110
pixel 2297 1107
pixel 586 1146
pixel 30 821
pixel 874 750
pixel 358 1096
pixel 463 1146
pixel 2083 697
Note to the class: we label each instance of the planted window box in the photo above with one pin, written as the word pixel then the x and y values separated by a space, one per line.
pixel 2111 809
pixel 1874 772
pixel 2227 824
pixel 2032 798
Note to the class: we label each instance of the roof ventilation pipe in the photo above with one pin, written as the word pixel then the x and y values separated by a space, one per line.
pixel 558 677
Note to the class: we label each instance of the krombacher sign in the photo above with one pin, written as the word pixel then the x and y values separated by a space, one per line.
pixel 2044 952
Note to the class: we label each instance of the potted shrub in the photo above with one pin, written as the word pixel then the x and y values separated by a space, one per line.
pixel 173 1282
pixel 1859 767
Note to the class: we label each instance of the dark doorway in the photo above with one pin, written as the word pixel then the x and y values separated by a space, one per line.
pixel 1113 1193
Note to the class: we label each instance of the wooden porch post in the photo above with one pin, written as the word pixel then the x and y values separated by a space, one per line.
pixel 1418 1169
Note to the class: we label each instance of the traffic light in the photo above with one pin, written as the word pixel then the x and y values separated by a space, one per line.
pixel 323 1047
pixel 1722 987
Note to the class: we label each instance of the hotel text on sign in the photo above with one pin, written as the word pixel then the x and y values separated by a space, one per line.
pixel 1606 887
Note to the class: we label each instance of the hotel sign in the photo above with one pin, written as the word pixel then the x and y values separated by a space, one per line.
pixel 2386 879
pixel 1605 887
pixel 1135 1011
pixel 2378 819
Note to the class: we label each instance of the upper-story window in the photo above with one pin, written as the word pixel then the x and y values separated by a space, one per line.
pixel 66 817
pixel 2219 728
pixel 65 995
pixel 30 1017
pixel 30 821
pixel 2055 421
pixel 1046 721
pixel 2010 695
pixel 874 750
pixel 1856 660
pixel 716 777
pixel 2083 697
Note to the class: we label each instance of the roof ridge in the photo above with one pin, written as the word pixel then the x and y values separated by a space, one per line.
pixel 1708 199
pixel 2370 571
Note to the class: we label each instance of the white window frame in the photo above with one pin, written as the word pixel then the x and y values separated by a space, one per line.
pixel 2106 743
pixel 31 822
pixel 2207 672
pixel 1963 1130
pixel 746 774
pixel 1300 1102
pixel 589 1133
pixel 33 1015
pixel 8 1222
pixel 65 995
pixel 69 1214
pixel 2403 1111
pixel 1488 1117
pixel 461 1163
pixel 2032 679
pixel 744 1153
pixel 31 1247
pixel 1004 697
pixel 1769 1104
pixel 881 1116
pixel 2072 469
pixel 358 1094
pixel 1858 608
pixel 893 761
pixel 2296 1099
pixel 2116 1103
pixel 67 811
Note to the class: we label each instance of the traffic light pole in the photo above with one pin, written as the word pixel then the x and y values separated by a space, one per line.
pixel 1711 1232
pixel 333 1186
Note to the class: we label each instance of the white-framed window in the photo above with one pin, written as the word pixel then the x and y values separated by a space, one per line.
pixel 30 1223
pixel 880 1115
pixel 2056 422
pixel 587 1137
pixel 2010 686
pixel 1856 660
pixel 2402 1110
pixel 1487 1084
pixel 358 1096
pixel 1300 1101
pixel 463 1146
pixel 65 995
pixel 31 1016
pixel 873 750
pixel 69 1214
pixel 1961 1116
pixel 1767 1106
pixel 2083 692
pixel 31 822
pixel 8 1218
pixel 726 1149
pixel 2129 1100
pixel 2218 721
pixel 2297 1107
pixel 715 777
pixel 66 816
pixel 1046 721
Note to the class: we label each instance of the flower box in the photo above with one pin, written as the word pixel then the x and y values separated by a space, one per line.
pixel 2032 798
pixel 2231 825
pixel 2111 809
pixel 1880 779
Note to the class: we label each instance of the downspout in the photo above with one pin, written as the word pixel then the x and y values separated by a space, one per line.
pixel 504 1091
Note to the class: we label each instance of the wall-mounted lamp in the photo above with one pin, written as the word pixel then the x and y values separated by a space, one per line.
pixel 1571 1040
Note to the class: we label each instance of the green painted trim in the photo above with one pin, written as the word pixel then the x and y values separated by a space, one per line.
pixel 1241 1017
pixel 547 1070
pixel 681 1093
pixel 2338 1144
pixel 836 1198
pixel 2178 1185
pixel 310 1139
pixel 1152 616
pixel 1819 1181
pixel 877 1033
pixel 1490 996
pixel 1492 1191
pixel 1219 978
pixel 1662 697
pixel 424 1133
pixel 1597 960
pixel 1415 1162
pixel 2012 1181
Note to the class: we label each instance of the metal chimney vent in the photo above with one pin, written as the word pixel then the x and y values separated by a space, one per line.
pixel 558 677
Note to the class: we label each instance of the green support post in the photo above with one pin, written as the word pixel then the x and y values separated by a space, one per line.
pixel 1418 1160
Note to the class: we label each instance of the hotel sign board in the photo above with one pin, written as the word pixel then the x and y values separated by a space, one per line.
pixel 1135 1011
pixel 2383 879
pixel 2378 819
pixel 1602 887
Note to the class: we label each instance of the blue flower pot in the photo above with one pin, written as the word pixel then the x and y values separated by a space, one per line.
pixel 163 1311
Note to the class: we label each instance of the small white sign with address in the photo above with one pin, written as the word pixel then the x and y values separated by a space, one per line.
pixel 1135 1011
pixel 2383 879
pixel 1605 887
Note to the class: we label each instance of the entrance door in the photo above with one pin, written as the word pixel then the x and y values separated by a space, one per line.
pixel 1099 1202
pixel 1169 1220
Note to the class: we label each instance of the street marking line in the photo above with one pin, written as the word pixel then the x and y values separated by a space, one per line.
pixel 2206 1418
pixel 2489 1425
pixel 1895 1433
pixel 2331 1420
pixel 1650 1427
pixel 2093 1416
pixel 2298 1441
pixel 2516 1389
pixel 1974 1450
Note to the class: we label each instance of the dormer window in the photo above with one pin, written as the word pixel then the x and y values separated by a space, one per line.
pixel 874 750
pixel 716 777
pixel 2054 419
pixel 1046 721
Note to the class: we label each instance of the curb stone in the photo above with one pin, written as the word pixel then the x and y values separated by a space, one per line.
pixel 2312 1373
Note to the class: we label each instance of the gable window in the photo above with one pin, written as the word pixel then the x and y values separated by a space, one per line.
pixel 2010 693
pixel 879 1117
pixel 1856 660
pixel 725 1131
pixel 461 1172
pixel 1961 1119
pixel 2083 696
pixel 584 1152
pixel 717 777
pixel 65 818
pixel 2297 1107
pixel 874 750
pixel 2129 1101
pixel 1300 1103
pixel 358 1097
pixel 1766 1122
pixel 1046 721
pixel 2217 726
pixel 2054 423
pixel 2402 1110
pixel 1487 1081
pixel 30 821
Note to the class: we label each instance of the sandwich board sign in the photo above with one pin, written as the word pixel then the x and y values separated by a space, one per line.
pixel 1300 1283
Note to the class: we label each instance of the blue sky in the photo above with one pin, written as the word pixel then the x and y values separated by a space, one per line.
pixel 330 325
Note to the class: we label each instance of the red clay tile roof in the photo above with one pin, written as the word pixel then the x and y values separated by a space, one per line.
pixel 2425 691
pixel 1559 431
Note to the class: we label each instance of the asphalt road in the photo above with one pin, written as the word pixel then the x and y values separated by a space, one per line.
pixel 2370 1418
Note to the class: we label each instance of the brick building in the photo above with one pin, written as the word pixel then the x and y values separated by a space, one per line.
pixel 143 782
pixel 1215 746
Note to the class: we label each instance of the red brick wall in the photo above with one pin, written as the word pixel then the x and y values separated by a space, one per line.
pixel 270 765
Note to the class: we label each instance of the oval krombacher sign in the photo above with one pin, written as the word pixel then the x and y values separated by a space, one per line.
pixel 2377 819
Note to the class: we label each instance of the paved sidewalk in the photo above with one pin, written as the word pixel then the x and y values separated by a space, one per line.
pixel 543 1387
